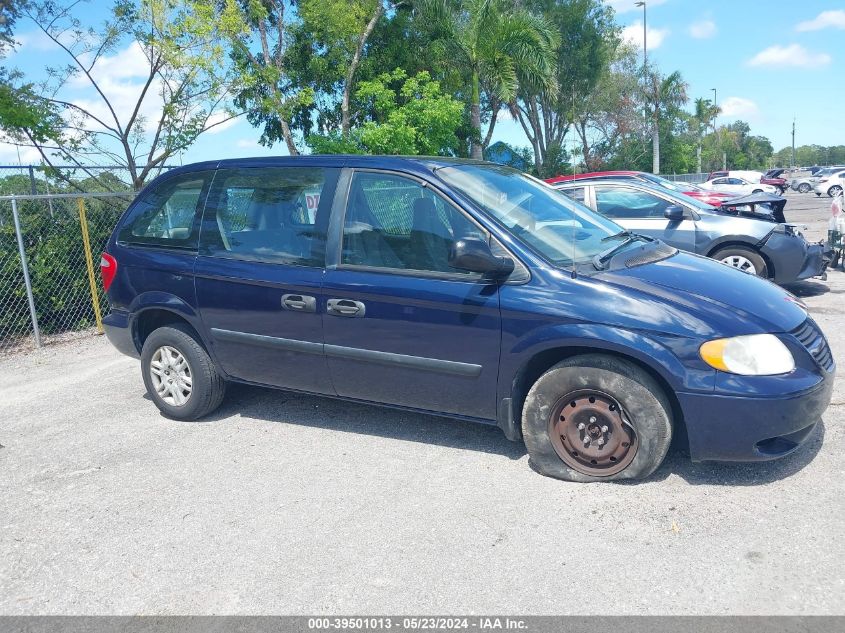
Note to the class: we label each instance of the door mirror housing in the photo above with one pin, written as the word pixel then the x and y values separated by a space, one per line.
pixel 674 213
pixel 474 255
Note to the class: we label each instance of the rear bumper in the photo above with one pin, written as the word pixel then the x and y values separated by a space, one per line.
pixel 118 329
pixel 730 428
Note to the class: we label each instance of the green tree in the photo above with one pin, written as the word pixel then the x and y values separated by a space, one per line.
pixel 181 97
pixel 411 116
pixel 587 39
pixel 499 44
pixel 664 96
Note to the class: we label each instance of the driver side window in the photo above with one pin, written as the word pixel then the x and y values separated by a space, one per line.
pixel 623 203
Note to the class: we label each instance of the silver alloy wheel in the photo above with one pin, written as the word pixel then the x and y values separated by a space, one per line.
pixel 740 262
pixel 171 376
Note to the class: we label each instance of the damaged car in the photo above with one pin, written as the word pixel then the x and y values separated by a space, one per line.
pixel 749 233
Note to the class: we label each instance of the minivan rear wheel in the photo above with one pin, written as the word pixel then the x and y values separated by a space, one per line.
pixel 745 259
pixel 596 418
pixel 179 375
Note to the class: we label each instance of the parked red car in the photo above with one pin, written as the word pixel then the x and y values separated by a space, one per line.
pixel 713 198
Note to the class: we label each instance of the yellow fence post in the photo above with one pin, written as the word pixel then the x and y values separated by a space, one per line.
pixel 89 261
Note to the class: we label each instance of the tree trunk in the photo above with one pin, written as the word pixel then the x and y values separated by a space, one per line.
pixel 655 145
pixel 353 68
pixel 698 157
pixel 476 151
pixel 288 137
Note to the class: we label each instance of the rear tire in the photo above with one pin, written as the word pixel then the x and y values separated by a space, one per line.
pixel 834 191
pixel 179 375
pixel 620 426
pixel 804 188
pixel 742 258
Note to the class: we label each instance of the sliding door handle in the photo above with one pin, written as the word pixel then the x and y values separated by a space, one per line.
pixel 299 303
pixel 345 307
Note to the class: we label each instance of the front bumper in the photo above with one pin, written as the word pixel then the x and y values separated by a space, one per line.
pixel 793 258
pixel 749 429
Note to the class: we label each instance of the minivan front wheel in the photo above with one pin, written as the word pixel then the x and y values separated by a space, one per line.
pixel 596 418
pixel 179 375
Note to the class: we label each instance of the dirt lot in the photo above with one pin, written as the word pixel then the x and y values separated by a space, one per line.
pixel 285 503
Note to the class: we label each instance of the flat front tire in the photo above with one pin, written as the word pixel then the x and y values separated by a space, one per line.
pixel 596 418
pixel 179 375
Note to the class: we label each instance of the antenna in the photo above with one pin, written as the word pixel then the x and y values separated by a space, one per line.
pixel 573 272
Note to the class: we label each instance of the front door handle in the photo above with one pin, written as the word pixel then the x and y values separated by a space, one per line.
pixel 299 303
pixel 345 307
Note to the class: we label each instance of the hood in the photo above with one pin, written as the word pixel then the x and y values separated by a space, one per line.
pixel 732 302
pixel 763 206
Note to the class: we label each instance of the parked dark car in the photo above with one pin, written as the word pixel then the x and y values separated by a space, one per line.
pixel 743 236
pixel 463 289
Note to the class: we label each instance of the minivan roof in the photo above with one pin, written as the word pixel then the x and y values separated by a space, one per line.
pixel 331 160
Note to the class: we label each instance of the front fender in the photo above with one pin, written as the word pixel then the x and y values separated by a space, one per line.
pixel 674 359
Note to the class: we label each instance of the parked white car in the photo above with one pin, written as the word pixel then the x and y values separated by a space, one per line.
pixel 827 182
pixel 738 186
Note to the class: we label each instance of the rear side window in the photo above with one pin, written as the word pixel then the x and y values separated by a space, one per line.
pixel 621 203
pixel 269 214
pixel 167 214
pixel 576 193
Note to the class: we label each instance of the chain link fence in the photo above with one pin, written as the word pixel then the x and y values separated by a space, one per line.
pixel 50 249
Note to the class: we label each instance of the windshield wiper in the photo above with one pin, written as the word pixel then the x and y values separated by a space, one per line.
pixel 600 259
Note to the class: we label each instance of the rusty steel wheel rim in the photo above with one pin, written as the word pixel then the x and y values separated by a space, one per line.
pixel 591 433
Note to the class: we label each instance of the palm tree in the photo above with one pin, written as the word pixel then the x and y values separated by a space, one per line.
pixel 705 113
pixel 498 43
pixel 663 95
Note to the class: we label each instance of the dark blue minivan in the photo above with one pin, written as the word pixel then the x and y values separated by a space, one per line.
pixel 464 289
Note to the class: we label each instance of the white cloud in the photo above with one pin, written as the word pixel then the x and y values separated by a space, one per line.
pixel 703 29
pixel 624 6
pixel 739 107
pixel 247 143
pixel 825 19
pixel 633 34
pixel 793 55
pixel 221 120
pixel 13 155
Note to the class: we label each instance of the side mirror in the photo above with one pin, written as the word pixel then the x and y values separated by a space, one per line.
pixel 674 213
pixel 474 255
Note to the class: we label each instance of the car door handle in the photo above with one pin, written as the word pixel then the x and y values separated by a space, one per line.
pixel 299 303
pixel 345 307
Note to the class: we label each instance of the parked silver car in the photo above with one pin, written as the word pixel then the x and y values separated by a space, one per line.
pixel 762 247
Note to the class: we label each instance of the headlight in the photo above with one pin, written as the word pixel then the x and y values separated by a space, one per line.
pixel 753 355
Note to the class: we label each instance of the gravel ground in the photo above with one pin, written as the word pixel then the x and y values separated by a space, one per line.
pixel 290 504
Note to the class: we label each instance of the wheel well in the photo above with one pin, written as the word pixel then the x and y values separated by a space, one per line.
pixel 545 360
pixel 150 320
pixel 770 267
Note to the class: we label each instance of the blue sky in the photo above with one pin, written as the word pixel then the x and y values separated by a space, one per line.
pixel 769 60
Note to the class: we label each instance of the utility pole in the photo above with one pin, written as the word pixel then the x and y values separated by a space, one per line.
pixel 793 141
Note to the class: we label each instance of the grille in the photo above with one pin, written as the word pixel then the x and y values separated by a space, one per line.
pixel 809 335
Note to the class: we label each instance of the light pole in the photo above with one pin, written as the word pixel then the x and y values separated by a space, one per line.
pixel 642 4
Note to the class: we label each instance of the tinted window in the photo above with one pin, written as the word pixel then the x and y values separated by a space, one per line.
pixel 720 181
pixel 576 193
pixel 618 202
pixel 394 222
pixel 166 215
pixel 272 214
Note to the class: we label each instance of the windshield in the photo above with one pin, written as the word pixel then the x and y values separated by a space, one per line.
pixel 558 228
